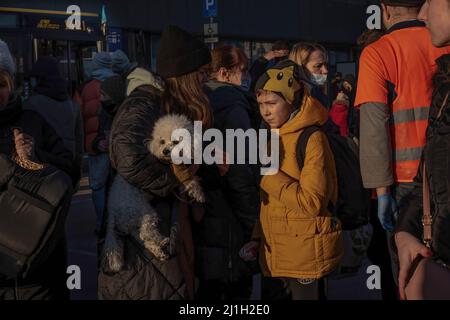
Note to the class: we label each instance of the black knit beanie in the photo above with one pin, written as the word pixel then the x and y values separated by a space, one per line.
pixel 115 87
pixel 404 3
pixel 180 53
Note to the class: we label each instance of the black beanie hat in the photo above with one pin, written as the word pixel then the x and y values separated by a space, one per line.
pixel 115 87
pixel 180 53
pixel 404 3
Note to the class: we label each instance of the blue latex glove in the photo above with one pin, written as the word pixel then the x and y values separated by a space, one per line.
pixel 387 211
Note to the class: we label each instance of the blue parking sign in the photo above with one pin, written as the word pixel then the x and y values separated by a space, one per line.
pixel 210 8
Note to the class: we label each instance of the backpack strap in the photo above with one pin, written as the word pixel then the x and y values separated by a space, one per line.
pixel 302 143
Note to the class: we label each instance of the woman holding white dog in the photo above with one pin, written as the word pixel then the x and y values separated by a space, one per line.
pixel 181 62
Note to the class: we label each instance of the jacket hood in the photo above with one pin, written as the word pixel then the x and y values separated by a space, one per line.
pixel 223 95
pixel 141 77
pixel 312 113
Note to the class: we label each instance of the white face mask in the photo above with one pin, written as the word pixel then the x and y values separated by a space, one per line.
pixel 319 79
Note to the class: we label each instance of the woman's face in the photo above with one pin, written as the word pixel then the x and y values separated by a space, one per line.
pixel 274 110
pixel 436 13
pixel 318 63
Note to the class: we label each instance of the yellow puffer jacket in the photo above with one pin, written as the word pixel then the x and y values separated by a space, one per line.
pixel 299 237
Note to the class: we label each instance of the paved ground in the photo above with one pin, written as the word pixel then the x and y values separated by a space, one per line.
pixel 82 244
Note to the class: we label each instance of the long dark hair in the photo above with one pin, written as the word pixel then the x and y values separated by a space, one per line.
pixel 184 95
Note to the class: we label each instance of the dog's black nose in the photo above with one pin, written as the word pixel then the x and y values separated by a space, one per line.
pixel 166 152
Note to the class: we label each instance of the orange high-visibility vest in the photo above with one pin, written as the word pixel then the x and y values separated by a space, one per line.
pixel 397 70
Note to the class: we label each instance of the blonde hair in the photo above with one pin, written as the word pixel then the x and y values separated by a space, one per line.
pixel 302 51
pixel 184 95
pixel 6 81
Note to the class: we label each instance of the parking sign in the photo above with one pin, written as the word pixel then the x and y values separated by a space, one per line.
pixel 210 8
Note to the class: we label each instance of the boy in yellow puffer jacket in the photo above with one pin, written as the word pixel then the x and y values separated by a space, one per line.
pixel 299 239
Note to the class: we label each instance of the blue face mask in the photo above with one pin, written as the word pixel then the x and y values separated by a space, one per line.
pixel 319 79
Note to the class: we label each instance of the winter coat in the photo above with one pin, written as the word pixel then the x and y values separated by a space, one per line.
pixel 65 118
pixel 232 201
pixel 145 277
pixel 88 98
pixel 299 237
pixel 437 159
pixel 339 115
pixel 49 281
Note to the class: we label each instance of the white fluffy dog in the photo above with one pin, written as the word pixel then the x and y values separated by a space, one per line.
pixel 129 208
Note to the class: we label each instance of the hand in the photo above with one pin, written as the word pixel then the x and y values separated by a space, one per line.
pixel 409 248
pixel 249 251
pixel 387 211
pixel 280 53
pixel 342 96
pixel 103 145
pixel 276 54
pixel 24 145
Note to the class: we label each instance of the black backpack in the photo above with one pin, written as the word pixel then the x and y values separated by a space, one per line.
pixel 353 203
pixel 33 210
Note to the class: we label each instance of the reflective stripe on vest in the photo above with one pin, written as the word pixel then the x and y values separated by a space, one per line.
pixel 410 154
pixel 410 115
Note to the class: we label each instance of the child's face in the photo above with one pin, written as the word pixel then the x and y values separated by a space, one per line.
pixel 274 110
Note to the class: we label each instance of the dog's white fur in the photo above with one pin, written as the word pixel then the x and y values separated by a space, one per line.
pixel 129 209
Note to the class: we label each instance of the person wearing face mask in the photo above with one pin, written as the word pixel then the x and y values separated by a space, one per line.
pixel 313 60
pixel 232 200
pixel 394 98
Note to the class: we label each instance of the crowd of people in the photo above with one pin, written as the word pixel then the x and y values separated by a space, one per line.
pixel 290 226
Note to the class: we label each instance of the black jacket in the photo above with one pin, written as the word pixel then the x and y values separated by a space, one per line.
pixel 232 201
pixel 437 158
pixel 144 277
pixel 49 147
pixel 132 125
pixel 49 282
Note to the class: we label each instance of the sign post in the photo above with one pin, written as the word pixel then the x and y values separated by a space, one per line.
pixel 211 29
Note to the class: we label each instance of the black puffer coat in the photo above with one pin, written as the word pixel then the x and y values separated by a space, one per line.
pixel 437 158
pixel 49 282
pixel 232 201
pixel 144 277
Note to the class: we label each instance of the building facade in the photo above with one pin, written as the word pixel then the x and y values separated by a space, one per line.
pixel 34 28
